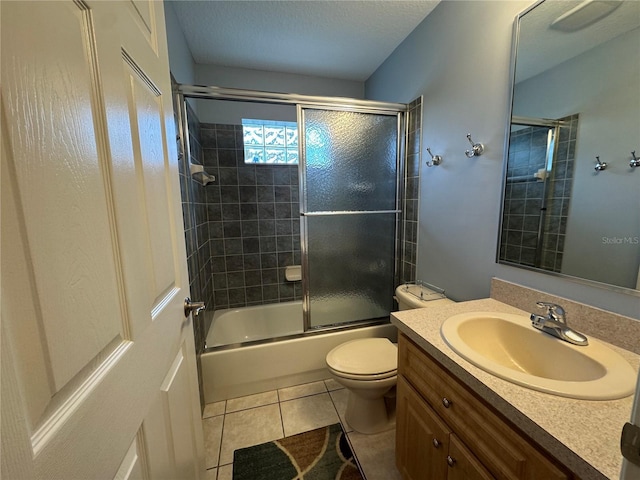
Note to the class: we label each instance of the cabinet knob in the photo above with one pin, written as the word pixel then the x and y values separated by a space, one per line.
pixel 446 402
pixel 451 461
pixel 436 443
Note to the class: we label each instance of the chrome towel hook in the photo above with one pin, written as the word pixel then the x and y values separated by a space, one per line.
pixel 600 165
pixel 476 148
pixel 635 161
pixel 435 159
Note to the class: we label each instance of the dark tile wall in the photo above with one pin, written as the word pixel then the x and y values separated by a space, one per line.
pixel 411 193
pixel 253 218
pixel 196 237
pixel 244 229
pixel 524 196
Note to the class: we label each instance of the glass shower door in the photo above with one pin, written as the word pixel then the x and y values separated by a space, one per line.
pixel 349 183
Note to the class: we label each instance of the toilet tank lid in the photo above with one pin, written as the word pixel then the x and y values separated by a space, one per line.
pixel 367 356
pixel 420 296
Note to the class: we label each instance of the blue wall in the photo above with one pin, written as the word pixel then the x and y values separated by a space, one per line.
pixel 459 59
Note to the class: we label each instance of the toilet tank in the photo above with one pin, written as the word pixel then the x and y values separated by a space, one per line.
pixel 420 295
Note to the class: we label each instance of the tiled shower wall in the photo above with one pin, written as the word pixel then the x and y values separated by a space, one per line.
pixel 244 229
pixel 253 218
pixel 196 239
pixel 524 196
pixel 411 193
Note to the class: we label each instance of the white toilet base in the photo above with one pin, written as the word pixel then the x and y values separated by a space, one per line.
pixel 367 415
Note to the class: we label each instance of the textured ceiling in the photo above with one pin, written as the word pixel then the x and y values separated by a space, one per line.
pixel 542 47
pixel 336 39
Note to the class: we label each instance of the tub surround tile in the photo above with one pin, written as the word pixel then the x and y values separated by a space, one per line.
pixel 376 454
pixel 300 391
pixel 613 328
pixel 213 409
pixel 304 414
pixel 251 401
pixel 249 427
pixel 212 429
pixel 583 435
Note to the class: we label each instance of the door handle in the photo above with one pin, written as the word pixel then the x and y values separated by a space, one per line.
pixel 195 307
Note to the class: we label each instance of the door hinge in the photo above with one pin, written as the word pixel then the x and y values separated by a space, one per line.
pixel 630 443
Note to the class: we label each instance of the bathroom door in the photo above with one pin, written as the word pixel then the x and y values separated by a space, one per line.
pixel 98 364
pixel 349 212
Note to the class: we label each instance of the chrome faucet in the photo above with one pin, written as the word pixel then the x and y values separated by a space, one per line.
pixel 554 323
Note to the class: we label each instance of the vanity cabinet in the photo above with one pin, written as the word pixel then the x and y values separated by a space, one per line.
pixel 426 448
pixel 445 432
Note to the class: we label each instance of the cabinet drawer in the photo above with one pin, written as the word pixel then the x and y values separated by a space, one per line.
pixel 504 452
pixel 463 465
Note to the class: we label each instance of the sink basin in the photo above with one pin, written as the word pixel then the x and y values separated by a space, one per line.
pixel 508 347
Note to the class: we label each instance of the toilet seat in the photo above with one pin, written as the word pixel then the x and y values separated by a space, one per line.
pixel 364 359
pixel 364 378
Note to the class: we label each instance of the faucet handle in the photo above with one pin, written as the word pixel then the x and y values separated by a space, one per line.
pixel 554 310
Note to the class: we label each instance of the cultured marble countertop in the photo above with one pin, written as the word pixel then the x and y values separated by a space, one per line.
pixel 582 434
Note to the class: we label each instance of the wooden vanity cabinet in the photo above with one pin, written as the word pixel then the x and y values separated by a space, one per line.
pixel 425 447
pixel 445 432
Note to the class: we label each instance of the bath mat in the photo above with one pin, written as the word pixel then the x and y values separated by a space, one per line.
pixel 320 454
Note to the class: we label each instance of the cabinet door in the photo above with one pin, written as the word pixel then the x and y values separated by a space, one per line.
pixel 422 439
pixel 463 465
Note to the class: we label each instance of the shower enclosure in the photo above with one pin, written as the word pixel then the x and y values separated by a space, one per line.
pixel 538 191
pixel 337 214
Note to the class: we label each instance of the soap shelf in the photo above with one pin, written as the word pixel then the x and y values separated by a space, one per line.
pixel 424 291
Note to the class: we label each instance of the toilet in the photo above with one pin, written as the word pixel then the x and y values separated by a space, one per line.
pixel 368 367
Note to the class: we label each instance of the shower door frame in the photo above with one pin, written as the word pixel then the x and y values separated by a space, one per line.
pixel 347 104
pixel 550 158
pixel 304 244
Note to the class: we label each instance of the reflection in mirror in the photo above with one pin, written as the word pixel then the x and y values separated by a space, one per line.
pixel 576 99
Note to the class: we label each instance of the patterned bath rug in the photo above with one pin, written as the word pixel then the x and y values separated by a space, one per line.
pixel 321 454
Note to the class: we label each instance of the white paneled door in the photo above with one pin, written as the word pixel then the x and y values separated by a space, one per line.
pixel 98 363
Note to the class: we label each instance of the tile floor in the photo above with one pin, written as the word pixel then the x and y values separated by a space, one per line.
pixel 242 422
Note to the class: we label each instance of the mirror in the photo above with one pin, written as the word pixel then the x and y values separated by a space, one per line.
pixel 571 201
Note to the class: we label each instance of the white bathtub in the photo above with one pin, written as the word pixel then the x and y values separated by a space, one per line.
pixel 239 325
pixel 235 372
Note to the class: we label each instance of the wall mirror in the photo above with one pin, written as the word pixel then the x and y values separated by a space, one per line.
pixel 571 201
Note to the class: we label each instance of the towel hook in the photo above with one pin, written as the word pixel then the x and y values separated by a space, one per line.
pixel 635 161
pixel 600 166
pixel 435 159
pixel 476 148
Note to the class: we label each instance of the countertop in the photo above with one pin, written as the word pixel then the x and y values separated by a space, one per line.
pixel 584 435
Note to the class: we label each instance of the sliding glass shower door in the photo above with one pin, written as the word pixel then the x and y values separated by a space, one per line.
pixel 349 211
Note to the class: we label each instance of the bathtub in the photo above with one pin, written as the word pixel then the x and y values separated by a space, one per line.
pixel 239 325
pixel 229 372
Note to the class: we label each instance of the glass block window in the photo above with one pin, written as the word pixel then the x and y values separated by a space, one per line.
pixel 267 141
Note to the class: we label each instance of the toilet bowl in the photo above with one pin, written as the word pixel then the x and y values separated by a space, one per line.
pixel 368 369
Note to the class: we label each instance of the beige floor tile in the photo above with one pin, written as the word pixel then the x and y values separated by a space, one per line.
pixel 339 398
pixel 304 414
pixel 212 428
pixel 213 409
pixel 225 472
pixel 212 474
pixel 376 454
pixel 332 384
pixel 252 401
pixel 303 390
pixel 249 427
